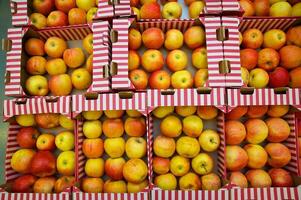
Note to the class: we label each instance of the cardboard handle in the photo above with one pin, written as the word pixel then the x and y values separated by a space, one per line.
pixel 222 34
pixel 247 91
pixel 21 101
pixel 106 71
pixel 14 8
pixel 113 68
pixel 125 95
pixel 91 96
pixel 168 92
pixel 114 36
pixel 280 90
pixel 224 66
pixel 6 44
pixel 204 90
pixel 51 99
pixel 7 77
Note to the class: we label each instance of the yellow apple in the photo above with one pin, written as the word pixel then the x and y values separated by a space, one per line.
pixel 135 147
pixel 136 187
pixel 200 78
pixel 88 43
pixel 192 126
pixel 133 113
pixel 166 181
pixel 135 170
pixel 179 165
pixel 25 120
pixel 202 164
pixel 66 123
pixel 114 147
pixel 195 9
pixel 92 115
pixel 281 9
pixel 85 4
pixel 56 66
pixel 209 140
pixel 173 39
pixel 65 163
pixel 94 167
pixel 182 79
pixel 172 10
pixel 185 111
pixel 187 147
pixel 274 38
pixel 64 141
pixel 91 13
pixel 199 57
pixel 136 12
pixel 81 79
pixel 190 181
pixel 163 111
pixel 296 10
pixel 37 85
pixel 259 78
pixel 92 129
pixel 245 75
pixel 113 113
pixel 275 1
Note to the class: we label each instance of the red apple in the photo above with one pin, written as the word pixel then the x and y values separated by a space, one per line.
pixel 43 164
pixel 279 77
pixel 159 79
pixel 43 6
pixel 57 18
pixel 280 178
pixel 65 5
pixel 114 167
pixel 23 184
pixel 27 137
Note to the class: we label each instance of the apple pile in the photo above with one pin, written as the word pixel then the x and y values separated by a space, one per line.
pixel 105 152
pixel 273 8
pixel 53 13
pixel 55 59
pixel 151 9
pixel 39 138
pixel 152 60
pixel 183 148
pixel 272 58
pixel 260 130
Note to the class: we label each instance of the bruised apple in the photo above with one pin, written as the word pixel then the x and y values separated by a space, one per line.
pixel 47 120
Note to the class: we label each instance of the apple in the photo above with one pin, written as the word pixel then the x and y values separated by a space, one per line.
pixel 135 170
pixel 34 47
pixel 65 141
pixel 209 140
pixel 199 57
pixel 63 183
pixel 190 181
pixel 43 164
pixel 268 59
pixel 136 12
pixel 134 3
pixel 21 160
pixel 195 9
pixel 135 147
pixel 37 85
pixel 279 129
pixel 192 126
pixel 245 75
pixel 202 164
pixel 292 36
pixel 161 165
pixel 88 43
pixel 281 178
pixel 89 64
pixel 179 166
pixel 46 142
pixel 77 16
pixel 114 147
pixel 248 58
pixel 161 112
pixel 136 187
pixel 65 163
pixel 139 78
pixel 92 185
pixel 65 5
pixel 207 112
pixel 194 37
pixel 81 79
pixel 150 11
pixel 236 158
pixel 92 115
pixel 181 79
pixel 92 129
pixel 111 186
pixel 274 38
pixel 296 10
pixel 185 111
pixel 252 38
pixel 164 146
pixel 91 14
pixel 55 47
pixel 166 181
pixel 134 60
pixel 27 137
pixel 93 148
pixel 74 57
pixel 187 147
pixel 113 127
pixel 134 39
pixel 44 7
pixel 23 184
pixel 262 7
pixel 211 182
pixel 257 131
pixel 159 79
pixel 248 7
pixel 235 132
pixel 47 120
pixel 60 85
pixel 172 10
pixel 239 179
pixel 171 126
pixel 176 60
pixel 290 56
pixel 57 18
pixel 257 156
pixel 44 185
pixel 85 4
pixel 142 2
pixel 153 38
pixel 66 123
pixel 38 20
pixel 258 178
pixel 114 113
pixel 281 9
pixel 135 127
pixel 56 66
pixel 113 168
pixel 279 154
pixel 257 111
pixel 25 120
pixel 152 60
pixel 279 77
pixel 259 78
pixel 133 113
pixel 173 39
pixel 94 167
pixel 295 75
pixel 200 78
pixel 278 110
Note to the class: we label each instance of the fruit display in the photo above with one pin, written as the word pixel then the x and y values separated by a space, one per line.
pixel 40 152
pixel 272 8
pixel 261 146
pixel 186 141
pixel 57 62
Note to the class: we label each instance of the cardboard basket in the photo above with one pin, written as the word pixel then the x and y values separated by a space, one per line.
pixel 269 97
pixel 16 56
pixel 21 107
pixel 214 46
pixel 21 10
pixel 102 102
pixel 234 24
pixel 190 98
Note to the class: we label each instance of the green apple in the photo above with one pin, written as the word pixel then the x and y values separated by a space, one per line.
pixel 65 163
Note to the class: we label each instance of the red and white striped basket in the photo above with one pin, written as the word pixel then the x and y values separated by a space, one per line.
pixel 234 24
pixel 29 106
pixel 120 47
pixel 104 102
pixel 101 53
pixel 190 97
pixel 20 11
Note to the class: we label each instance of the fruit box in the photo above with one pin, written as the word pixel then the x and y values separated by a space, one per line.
pixel 120 49
pixel 16 74
pixel 22 9
pixel 232 48
pixel 267 97
pixel 16 107
pixel 103 102
pixel 181 98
